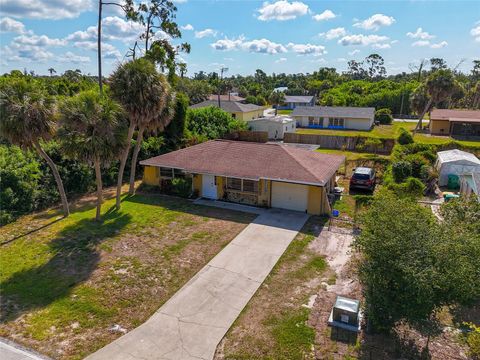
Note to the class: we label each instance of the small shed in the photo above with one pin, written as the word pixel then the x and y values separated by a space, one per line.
pixel 276 126
pixel 346 314
pixel 455 162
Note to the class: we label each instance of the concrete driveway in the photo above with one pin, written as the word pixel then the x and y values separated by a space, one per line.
pixel 195 319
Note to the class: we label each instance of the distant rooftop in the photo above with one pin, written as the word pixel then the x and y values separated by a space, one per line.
pixel 455 115
pixel 298 99
pixel 335 111
pixel 226 97
pixel 228 106
pixel 278 119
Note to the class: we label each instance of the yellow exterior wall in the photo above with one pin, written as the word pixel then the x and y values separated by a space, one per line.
pixel 249 115
pixel 264 187
pixel 437 125
pixel 317 201
pixel 151 175
pixel 197 184
pixel 220 181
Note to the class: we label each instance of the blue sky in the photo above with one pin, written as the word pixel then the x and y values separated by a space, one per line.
pixel 276 36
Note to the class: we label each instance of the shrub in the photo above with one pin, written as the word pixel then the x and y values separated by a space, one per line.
pixel 212 122
pixel 401 170
pixel 405 137
pixel 473 341
pixel 417 161
pixel 182 187
pixel 411 188
pixel 384 116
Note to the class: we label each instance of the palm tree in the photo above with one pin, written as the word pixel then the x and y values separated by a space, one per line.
pixel 27 118
pixel 52 71
pixel 142 91
pixel 439 86
pixel 93 130
pixel 182 67
pixel 276 98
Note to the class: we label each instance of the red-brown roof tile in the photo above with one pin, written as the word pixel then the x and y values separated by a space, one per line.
pixel 252 161
pixel 446 114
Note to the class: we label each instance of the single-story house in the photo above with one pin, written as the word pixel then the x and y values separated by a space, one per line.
pixel 455 162
pixel 292 101
pixel 237 109
pixel 470 184
pixel 229 97
pixel 455 122
pixel 276 126
pixel 259 174
pixel 334 117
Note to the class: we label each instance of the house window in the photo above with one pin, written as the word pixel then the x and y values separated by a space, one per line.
pixel 234 184
pixel 234 116
pixel 310 120
pixel 337 122
pixel 166 172
pixel 178 173
pixel 250 186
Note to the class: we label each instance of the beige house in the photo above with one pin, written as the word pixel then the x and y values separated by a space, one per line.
pixel 258 174
pixel 237 109
pixel 334 117
pixel 275 126
pixel 455 122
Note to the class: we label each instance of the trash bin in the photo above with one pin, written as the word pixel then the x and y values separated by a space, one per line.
pixel 453 182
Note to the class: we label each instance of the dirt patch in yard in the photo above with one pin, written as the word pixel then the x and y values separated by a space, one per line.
pixel 73 285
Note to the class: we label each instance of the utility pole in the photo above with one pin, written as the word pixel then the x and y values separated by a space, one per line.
pixel 222 70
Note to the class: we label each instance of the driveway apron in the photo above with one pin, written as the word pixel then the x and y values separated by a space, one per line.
pixel 191 323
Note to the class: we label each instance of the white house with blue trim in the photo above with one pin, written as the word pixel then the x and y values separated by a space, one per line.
pixel 334 117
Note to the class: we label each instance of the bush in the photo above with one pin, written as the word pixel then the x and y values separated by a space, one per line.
pixel 384 116
pixel 182 187
pixel 473 341
pixel 401 170
pixel 417 161
pixel 212 122
pixel 405 137
pixel 411 188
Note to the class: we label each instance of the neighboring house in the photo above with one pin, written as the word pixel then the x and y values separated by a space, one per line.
pixel 455 162
pixel 276 126
pixel 280 89
pixel 334 117
pixel 470 184
pixel 238 110
pixel 259 174
pixel 229 97
pixel 291 102
pixel 455 122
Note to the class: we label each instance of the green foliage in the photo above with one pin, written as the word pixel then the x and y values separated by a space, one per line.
pixel 401 170
pixel 196 90
pixel 20 174
pixel 473 341
pixel 182 187
pixel 175 131
pixel 405 273
pixel 212 122
pixel 405 137
pixel 384 116
pixel 411 188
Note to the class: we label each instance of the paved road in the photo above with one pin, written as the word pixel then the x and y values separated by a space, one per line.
pixel 11 351
pixel 192 323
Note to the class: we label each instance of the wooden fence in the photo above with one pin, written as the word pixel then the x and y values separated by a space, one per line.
pixel 350 143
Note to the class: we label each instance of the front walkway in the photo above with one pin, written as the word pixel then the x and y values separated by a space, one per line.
pixel 195 319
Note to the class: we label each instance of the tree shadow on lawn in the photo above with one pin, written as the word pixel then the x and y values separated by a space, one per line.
pixel 76 257
pixel 179 204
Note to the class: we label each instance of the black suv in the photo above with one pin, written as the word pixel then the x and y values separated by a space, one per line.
pixel 363 178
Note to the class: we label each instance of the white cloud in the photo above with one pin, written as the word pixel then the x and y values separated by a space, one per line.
pixel 187 27
pixel 26 53
pixel 307 49
pixel 420 34
pixel 360 39
pixel 108 50
pixel 374 22
pixel 264 46
pixel 334 33
pixel 282 10
pixel 353 52
pixel 341 60
pixel 381 46
pixel 326 15
pixel 45 9
pixel 38 40
pixel 205 33
pixel 73 58
pixel 425 43
pixel 13 26
pixel 475 32
pixel 281 60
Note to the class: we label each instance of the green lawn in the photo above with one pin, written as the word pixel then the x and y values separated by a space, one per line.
pixel 389 132
pixel 65 282
pixel 284 112
pixel 352 155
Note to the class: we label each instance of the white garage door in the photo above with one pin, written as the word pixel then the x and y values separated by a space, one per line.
pixel 289 196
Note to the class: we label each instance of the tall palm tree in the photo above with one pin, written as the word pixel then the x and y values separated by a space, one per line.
pixel 52 71
pixel 156 124
pixel 142 91
pixel 93 129
pixel 276 98
pixel 27 118
pixel 439 86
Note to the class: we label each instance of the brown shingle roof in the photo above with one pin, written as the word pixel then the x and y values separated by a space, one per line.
pixel 229 106
pixel 446 114
pixel 252 161
pixel 226 97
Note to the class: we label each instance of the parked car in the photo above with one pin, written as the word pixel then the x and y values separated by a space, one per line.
pixel 363 178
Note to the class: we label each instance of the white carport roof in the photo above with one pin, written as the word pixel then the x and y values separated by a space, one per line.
pixel 457 156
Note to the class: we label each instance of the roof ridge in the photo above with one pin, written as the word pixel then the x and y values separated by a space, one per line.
pixel 292 155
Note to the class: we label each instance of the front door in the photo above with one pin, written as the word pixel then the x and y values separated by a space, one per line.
pixel 209 188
